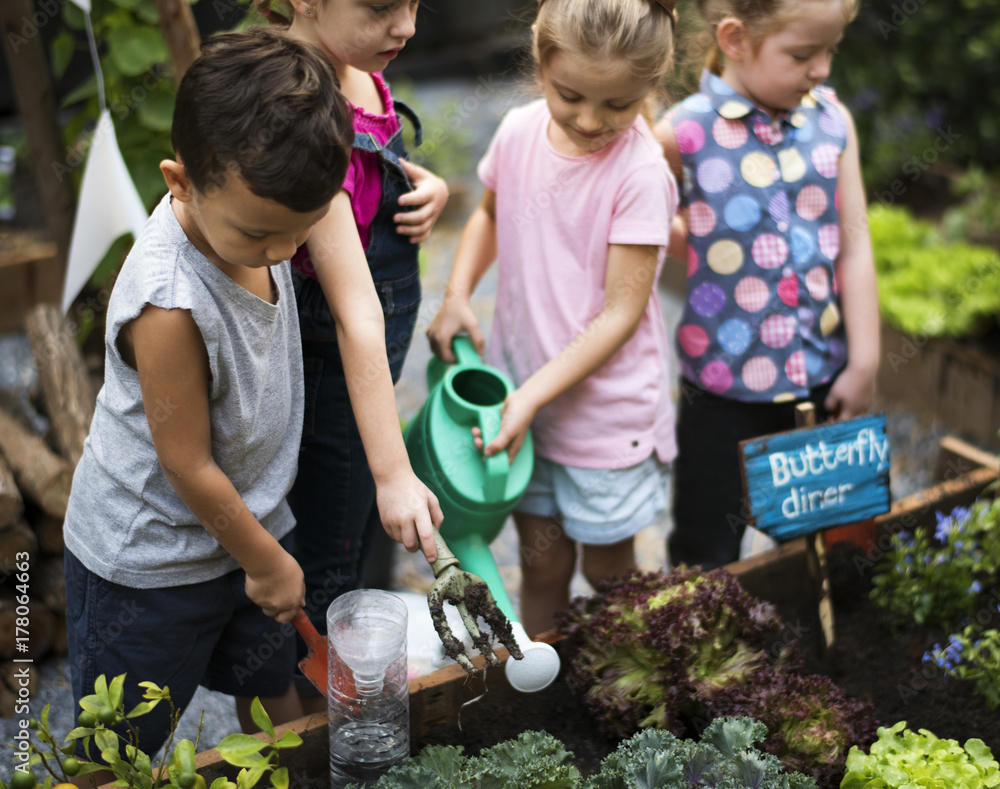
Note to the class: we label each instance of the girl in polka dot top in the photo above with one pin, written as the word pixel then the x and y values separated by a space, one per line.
pixel 781 301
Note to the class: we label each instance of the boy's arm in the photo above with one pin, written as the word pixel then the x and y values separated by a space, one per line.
pixel 408 509
pixel 477 250
pixel 853 391
pixel 172 364
pixel 628 285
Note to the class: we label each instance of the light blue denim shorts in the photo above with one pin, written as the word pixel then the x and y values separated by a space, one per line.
pixel 597 506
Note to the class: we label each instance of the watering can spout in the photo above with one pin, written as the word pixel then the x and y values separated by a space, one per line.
pixel 539 666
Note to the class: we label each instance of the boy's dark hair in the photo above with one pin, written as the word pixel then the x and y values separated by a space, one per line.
pixel 268 108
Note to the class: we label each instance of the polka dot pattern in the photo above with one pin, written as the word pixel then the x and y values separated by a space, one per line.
pixel 758 169
pixel 762 321
pixel 825 159
pixel 752 294
pixel 742 213
pixel 693 340
pixel 811 203
pixel 715 175
pixel 707 299
pixel 690 136
pixel 818 283
pixel 735 336
pixel 829 241
pixel 769 251
pixel 729 133
pixel 701 219
pixel 725 257
pixel 759 374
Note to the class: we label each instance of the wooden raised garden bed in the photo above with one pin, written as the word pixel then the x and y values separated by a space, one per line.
pixel 436 700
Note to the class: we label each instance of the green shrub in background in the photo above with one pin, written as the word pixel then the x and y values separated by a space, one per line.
pixel 926 286
pixel 923 81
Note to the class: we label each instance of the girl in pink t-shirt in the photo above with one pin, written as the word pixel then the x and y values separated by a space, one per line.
pixel 577 209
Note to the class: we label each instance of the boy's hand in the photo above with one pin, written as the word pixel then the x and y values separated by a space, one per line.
pixel 409 512
pixel 430 194
pixel 516 415
pixel 454 317
pixel 851 394
pixel 280 590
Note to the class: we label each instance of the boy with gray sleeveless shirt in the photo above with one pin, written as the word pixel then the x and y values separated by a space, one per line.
pixel 178 533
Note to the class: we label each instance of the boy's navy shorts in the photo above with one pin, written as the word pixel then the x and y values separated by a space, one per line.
pixel 208 633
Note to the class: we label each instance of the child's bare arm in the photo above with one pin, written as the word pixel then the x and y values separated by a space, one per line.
pixel 853 391
pixel 628 285
pixel 408 509
pixel 171 361
pixel 476 252
pixel 430 195
pixel 664 132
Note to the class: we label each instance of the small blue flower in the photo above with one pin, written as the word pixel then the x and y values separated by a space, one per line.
pixel 975 587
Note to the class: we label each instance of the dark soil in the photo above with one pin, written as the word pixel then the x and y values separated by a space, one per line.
pixel 868 662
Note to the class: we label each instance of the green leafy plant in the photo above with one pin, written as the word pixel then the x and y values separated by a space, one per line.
pixel 977 217
pixel 935 578
pixel 139 89
pixel 929 288
pixel 972 656
pixel 903 758
pixel 725 756
pixel 534 760
pixel 104 708
pixel 650 649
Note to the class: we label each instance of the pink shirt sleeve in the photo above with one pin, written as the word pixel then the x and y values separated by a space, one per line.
pixel 644 207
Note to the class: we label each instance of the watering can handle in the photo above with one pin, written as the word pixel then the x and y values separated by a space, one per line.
pixel 465 351
pixel 497 467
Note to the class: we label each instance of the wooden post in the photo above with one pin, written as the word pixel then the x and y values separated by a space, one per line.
pixel 181 34
pixel 819 572
pixel 29 73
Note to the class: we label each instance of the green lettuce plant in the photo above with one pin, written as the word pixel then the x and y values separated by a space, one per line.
pixel 972 656
pixel 903 759
pixel 105 708
pixel 929 288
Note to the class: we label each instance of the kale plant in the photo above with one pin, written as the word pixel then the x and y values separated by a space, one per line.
pixel 725 758
pixel 811 723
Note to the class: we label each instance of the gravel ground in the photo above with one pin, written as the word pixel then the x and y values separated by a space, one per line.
pixel 480 103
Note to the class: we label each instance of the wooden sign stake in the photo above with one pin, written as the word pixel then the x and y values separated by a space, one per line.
pixel 819 571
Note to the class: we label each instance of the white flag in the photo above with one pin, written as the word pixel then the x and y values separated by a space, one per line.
pixel 108 206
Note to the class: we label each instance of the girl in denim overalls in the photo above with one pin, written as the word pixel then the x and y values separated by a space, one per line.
pixel 781 301
pixel 352 449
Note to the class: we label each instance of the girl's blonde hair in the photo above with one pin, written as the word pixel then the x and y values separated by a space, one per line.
pixel 640 33
pixel 761 18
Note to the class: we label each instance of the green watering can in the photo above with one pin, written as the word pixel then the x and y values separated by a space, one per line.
pixel 476 493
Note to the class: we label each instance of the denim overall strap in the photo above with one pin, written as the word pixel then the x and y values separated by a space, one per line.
pixel 393 260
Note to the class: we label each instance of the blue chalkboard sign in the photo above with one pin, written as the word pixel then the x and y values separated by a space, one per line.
pixel 811 479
